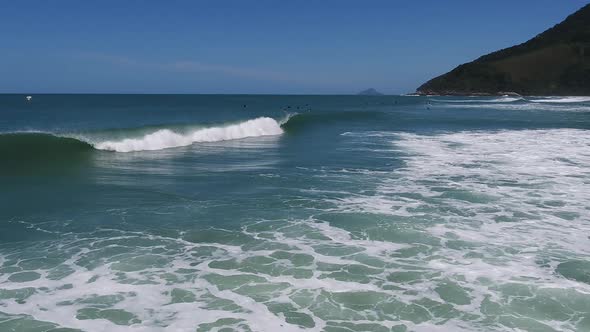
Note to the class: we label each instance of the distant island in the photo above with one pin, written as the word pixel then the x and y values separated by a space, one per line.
pixel 556 62
pixel 370 92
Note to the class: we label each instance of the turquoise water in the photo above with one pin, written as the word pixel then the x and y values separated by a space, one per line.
pixel 294 213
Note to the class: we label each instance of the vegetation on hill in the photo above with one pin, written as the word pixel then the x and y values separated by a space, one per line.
pixel 556 62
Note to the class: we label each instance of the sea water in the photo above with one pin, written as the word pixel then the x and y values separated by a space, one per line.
pixel 294 213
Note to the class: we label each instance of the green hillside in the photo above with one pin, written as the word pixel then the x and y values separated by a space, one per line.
pixel 556 62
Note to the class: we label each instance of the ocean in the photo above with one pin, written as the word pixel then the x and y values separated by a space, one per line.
pixel 294 213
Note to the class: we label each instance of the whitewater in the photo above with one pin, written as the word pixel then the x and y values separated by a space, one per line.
pixel 295 213
pixel 166 138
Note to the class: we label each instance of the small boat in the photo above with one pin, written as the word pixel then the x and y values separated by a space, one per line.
pixel 29 98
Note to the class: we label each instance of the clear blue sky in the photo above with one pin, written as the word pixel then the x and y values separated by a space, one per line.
pixel 218 46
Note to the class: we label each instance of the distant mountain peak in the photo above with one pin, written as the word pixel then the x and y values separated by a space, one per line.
pixel 370 92
pixel 555 62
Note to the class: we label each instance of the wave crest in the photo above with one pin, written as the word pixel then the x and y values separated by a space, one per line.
pixel 166 138
pixel 151 139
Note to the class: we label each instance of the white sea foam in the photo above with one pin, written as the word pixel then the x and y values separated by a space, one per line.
pixel 561 100
pixel 506 206
pixel 145 291
pixel 522 187
pixel 166 138
pixel 561 104
pixel 489 213
pixel 504 100
pixel 521 106
pixel 479 100
pixel 535 180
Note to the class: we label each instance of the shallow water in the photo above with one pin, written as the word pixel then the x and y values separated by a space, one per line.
pixel 296 213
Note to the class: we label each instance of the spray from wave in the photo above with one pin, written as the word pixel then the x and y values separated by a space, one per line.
pixel 166 138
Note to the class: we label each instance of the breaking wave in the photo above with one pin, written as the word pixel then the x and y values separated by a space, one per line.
pixel 167 138
pixel 170 136
pixel 19 145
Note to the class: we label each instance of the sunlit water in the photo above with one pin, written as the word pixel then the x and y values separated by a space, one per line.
pixel 294 213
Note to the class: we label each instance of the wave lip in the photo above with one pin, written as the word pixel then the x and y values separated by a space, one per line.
pixel 166 138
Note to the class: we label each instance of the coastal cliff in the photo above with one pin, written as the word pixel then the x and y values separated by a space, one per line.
pixel 555 62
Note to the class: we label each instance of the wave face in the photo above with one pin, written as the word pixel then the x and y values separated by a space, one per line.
pixel 35 145
pixel 39 144
pixel 166 138
pixel 39 153
pixel 473 100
